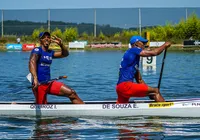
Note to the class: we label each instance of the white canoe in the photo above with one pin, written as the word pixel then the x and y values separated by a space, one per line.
pixel 170 108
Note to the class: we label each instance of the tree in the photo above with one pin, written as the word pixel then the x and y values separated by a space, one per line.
pixel 191 27
pixel 169 31
pixel 70 34
pixel 36 32
pixel 179 31
pixel 57 32
pixel 101 36
pixel 85 35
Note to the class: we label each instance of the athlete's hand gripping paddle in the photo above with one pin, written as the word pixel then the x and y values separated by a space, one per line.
pixel 58 78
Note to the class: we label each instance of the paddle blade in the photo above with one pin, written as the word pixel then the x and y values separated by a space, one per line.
pixel 29 77
pixel 61 77
pixel 64 76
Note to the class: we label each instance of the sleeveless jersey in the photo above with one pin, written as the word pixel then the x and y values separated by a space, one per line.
pixel 43 64
pixel 129 65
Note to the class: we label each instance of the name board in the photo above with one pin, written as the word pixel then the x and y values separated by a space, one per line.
pixel 118 106
pixel 45 106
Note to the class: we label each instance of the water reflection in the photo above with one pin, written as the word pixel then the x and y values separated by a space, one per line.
pixel 97 128
pixel 53 128
pixel 127 128
pixel 149 70
pixel 141 130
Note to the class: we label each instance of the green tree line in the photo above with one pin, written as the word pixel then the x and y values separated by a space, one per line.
pixel 176 33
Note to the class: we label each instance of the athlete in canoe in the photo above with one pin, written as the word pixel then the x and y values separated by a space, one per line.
pixel 129 70
pixel 39 66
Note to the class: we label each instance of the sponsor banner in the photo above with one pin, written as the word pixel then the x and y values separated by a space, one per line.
pixel 28 47
pixel 191 43
pixel 14 47
pixel 161 105
pixel 156 44
pixel 85 42
pixel 106 45
pixel 197 104
pixel 76 45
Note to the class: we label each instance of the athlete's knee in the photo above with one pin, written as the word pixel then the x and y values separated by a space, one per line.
pixel 72 94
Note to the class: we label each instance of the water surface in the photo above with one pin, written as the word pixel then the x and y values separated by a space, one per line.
pixel 94 76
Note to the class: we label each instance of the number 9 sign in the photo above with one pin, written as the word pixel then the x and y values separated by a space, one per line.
pixel 149 61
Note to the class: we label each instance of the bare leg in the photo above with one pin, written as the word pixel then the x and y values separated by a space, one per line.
pixel 154 93
pixel 71 94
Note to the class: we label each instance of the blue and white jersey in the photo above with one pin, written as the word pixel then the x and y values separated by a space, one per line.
pixel 129 65
pixel 43 64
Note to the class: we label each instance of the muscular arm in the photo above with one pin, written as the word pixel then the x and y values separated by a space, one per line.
pixel 155 52
pixel 138 78
pixel 63 53
pixel 33 65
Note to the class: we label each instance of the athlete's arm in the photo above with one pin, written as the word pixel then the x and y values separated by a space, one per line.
pixel 155 52
pixel 33 68
pixel 138 77
pixel 64 51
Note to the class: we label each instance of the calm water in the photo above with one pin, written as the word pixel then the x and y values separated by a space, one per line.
pixel 94 75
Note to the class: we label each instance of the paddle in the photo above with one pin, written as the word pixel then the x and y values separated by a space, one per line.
pixel 162 67
pixel 58 78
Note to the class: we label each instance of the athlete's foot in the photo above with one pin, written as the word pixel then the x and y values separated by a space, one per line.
pixel 76 101
pixel 152 96
pixel 158 96
pixel 13 103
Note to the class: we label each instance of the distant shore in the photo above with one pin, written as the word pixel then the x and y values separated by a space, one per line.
pixel 174 47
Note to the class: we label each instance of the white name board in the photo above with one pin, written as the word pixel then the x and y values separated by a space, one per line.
pixel 156 44
pixel 149 61
pixel 78 45
pixel 149 65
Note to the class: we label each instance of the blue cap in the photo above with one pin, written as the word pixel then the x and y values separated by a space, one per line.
pixel 137 38
pixel 44 33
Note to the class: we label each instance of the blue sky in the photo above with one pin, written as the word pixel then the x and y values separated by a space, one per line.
pixel 118 13
pixel 63 4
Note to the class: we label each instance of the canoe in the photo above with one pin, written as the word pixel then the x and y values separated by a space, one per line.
pixel 170 108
